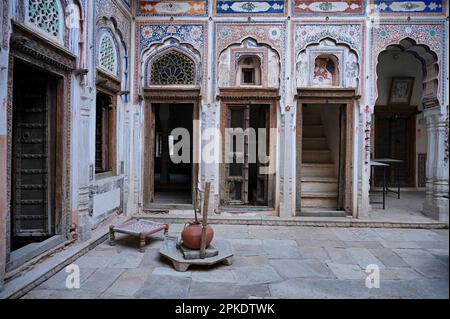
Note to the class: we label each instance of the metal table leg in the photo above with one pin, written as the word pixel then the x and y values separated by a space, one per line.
pixel 384 187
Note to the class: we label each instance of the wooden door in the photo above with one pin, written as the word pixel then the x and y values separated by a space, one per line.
pixel 394 138
pixel 33 162
pixel 236 164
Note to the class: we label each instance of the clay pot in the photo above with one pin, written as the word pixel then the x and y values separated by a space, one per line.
pixel 192 235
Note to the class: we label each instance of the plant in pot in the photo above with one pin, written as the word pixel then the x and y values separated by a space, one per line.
pixel 196 233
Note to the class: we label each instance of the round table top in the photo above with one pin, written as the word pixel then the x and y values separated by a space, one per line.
pixel 387 160
pixel 375 163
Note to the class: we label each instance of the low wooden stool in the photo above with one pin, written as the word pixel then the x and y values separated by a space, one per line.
pixel 139 228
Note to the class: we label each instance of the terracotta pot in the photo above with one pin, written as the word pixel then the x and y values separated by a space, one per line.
pixel 192 235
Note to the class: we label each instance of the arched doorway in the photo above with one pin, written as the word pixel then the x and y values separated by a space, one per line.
pixel 407 86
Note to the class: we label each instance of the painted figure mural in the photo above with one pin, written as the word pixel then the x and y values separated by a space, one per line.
pixel 324 72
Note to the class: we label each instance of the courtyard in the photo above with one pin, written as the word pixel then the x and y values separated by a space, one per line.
pixel 269 262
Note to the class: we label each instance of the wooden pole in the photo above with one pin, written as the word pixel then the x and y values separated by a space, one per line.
pixel 204 221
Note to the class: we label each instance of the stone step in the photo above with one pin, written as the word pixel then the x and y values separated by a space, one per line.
pixel 316 156
pixel 321 212
pixel 318 169
pixel 314 143
pixel 319 199
pixel 313 131
pixel 319 184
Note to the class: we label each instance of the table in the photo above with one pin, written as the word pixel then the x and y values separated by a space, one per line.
pixel 396 162
pixel 139 228
pixel 374 163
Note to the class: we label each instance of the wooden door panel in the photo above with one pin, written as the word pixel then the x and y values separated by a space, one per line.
pixel 32 149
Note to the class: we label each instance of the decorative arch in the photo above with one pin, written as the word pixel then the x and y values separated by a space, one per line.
pixel 107 53
pixel 229 67
pixel 170 46
pixel 107 28
pixel 425 40
pixel 430 68
pixel 172 68
pixel 346 70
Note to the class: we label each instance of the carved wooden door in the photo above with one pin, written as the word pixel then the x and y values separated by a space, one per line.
pixel 33 157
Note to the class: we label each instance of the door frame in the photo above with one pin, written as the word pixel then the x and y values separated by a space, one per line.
pixel 248 96
pixel 340 96
pixel 57 61
pixel 168 95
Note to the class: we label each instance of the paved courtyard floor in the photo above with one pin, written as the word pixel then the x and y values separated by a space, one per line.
pixel 270 262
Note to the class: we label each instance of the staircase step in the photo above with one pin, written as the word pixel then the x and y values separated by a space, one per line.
pixel 321 212
pixel 319 186
pixel 316 156
pixel 319 199
pixel 318 169
pixel 313 131
pixel 314 143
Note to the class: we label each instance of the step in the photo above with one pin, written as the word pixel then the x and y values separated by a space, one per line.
pixel 319 199
pixel 313 131
pixel 314 143
pixel 319 184
pixel 316 156
pixel 318 169
pixel 321 212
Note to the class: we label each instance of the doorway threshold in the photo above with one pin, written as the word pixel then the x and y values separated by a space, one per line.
pixel 321 213
pixel 168 206
pixel 20 256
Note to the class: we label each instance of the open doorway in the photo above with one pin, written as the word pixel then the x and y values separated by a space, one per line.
pixel 172 180
pixel 246 183
pixel 33 160
pixel 323 151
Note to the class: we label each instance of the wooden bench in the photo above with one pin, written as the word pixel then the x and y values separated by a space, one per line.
pixel 137 227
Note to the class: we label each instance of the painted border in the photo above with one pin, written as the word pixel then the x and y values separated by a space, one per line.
pixel 343 14
pixel 251 14
pixel 139 14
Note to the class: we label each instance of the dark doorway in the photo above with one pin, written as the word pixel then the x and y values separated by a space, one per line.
pixel 172 181
pixel 395 138
pixel 33 155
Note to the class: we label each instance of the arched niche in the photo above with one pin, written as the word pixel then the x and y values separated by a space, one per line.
pixel 338 61
pixel 265 63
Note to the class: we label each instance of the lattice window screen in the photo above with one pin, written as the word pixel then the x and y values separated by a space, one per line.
pixel 45 14
pixel 107 54
pixel 172 68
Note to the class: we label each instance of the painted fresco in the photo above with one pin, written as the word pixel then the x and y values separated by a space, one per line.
pixel 173 8
pixel 249 8
pixel 408 6
pixel 349 7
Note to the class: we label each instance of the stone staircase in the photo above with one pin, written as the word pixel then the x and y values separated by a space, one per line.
pixel 319 188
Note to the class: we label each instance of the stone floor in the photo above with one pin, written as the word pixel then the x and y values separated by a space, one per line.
pixel 406 209
pixel 270 262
